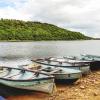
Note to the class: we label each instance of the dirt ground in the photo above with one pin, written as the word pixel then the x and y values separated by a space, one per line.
pixel 87 88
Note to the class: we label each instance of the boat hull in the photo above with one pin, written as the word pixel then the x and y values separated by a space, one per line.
pixel 67 78
pixel 9 91
pixel 66 81
pixel 42 86
pixel 83 69
pixel 95 65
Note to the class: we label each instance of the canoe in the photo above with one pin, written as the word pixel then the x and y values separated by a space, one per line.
pixel 84 66
pixel 62 75
pixel 94 61
pixel 26 80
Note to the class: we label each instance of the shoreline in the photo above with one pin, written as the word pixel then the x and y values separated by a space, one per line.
pixel 40 40
pixel 87 88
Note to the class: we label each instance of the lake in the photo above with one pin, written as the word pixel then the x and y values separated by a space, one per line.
pixel 13 53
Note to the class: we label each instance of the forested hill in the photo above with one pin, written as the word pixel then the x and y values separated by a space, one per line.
pixel 21 30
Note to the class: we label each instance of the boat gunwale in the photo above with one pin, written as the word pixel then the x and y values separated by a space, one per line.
pixel 38 79
pixel 28 80
pixel 66 73
pixel 90 55
pixel 59 65
pixel 43 70
pixel 63 73
pixel 48 59
pixel 35 71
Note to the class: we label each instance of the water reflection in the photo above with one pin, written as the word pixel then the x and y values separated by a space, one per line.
pixel 14 62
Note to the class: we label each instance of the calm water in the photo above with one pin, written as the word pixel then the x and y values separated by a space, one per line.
pixel 12 53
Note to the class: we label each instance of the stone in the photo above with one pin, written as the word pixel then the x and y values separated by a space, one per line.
pixel 95 93
pixel 82 87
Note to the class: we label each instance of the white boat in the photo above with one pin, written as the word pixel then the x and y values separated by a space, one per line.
pixel 94 60
pixel 64 62
pixel 26 80
pixel 62 75
pixel 90 57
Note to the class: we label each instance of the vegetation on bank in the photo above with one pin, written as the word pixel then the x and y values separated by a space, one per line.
pixel 22 30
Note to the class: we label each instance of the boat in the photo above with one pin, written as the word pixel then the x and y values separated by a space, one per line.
pixel 2 98
pixel 64 62
pixel 62 75
pixel 94 60
pixel 26 80
pixel 90 57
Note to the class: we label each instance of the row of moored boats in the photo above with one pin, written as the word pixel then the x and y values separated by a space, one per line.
pixel 42 74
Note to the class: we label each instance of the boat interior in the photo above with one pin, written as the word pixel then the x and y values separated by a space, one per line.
pixel 17 74
pixel 62 62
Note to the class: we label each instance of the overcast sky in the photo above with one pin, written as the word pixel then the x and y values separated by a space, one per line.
pixel 77 15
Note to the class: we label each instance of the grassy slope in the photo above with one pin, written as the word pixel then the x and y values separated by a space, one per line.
pixel 21 30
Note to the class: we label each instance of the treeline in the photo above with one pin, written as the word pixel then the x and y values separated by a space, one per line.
pixel 22 30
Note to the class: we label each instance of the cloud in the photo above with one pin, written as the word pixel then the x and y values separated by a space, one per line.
pixel 77 15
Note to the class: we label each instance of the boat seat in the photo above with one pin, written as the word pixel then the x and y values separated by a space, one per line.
pixel 55 70
pixel 27 75
pixel 12 73
pixel 5 72
pixel 21 73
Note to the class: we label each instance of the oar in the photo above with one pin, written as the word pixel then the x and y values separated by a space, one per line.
pixel 35 71
pixel 56 70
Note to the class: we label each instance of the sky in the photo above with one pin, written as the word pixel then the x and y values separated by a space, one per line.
pixel 76 15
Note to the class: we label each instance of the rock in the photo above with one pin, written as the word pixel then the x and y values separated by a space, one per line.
pixel 78 82
pixel 76 90
pixel 85 81
pixel 82 87
pixel 61 90
pixel 95 93
pixel 63 99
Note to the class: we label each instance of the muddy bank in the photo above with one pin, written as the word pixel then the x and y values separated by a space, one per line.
pixel 87 88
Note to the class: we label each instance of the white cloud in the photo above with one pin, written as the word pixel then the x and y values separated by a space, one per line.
pixel 78 15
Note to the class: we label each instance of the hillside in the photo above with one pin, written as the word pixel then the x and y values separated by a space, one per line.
pixel 21 30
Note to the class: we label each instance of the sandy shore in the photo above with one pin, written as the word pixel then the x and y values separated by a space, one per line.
pixel 87 88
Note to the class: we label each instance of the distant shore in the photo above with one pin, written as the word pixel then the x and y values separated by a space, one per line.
pixel 11 29
pixel 39 40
